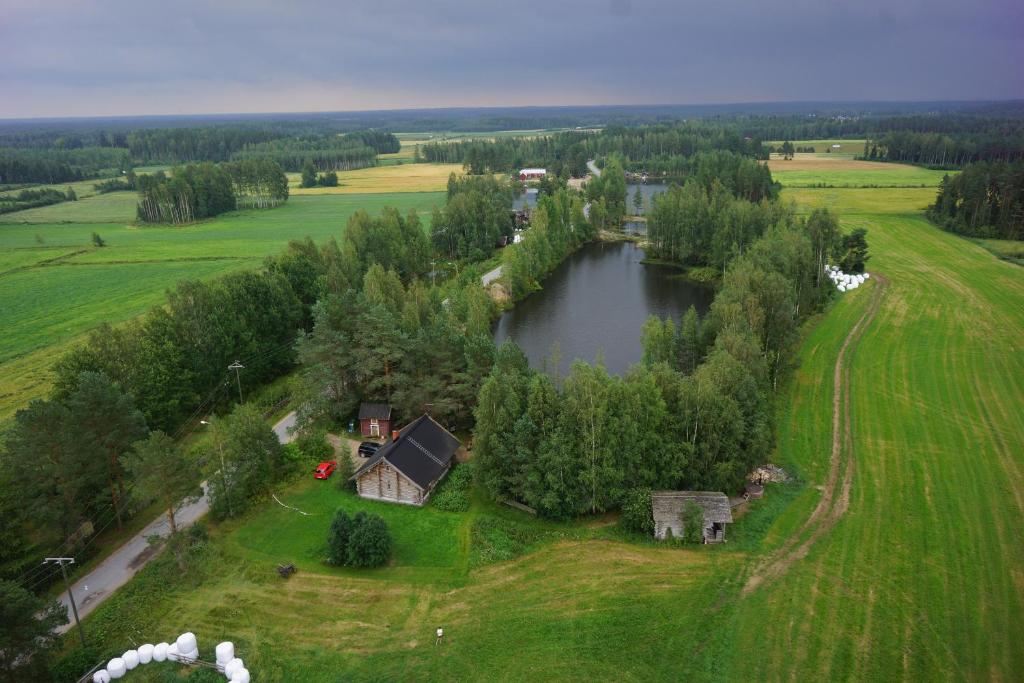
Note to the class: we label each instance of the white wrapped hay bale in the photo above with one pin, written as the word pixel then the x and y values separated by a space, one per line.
pixel 145 653
pixel 101 676
pixel 160 652
pixel 867 275
pixel 172 652
pixel 841 287
pixel 131 659
pixel 116 668
pixel 188 656
pixel 240 676
pixel 187 642
pixel 225 652
pixel 232 666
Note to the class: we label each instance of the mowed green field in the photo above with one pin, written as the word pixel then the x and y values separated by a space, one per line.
pixel 824 170
pixel 57 285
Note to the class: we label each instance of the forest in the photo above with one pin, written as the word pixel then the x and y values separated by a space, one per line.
pixel 986 199
pixel 199 191
pixel 324 152
pixel 945 150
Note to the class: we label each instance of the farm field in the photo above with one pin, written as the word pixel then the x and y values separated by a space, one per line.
pixel 390 178
pixel 846 147
pixel 113 207
pixel 918 574
pixel 810 170
pixel 57 285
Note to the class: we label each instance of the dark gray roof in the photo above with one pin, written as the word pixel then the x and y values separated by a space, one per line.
pixel 666 506
pixel 374 411
pixel 422 452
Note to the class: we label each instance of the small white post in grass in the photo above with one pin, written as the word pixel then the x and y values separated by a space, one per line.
pixel 440 635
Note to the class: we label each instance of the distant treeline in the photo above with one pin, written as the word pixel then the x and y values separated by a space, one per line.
pixel 652 148
pixel 185 145
pixel 986 199
pixel 30 199
pixel 945 150
pixel 49 166
pixel 199 191
pixel 326 153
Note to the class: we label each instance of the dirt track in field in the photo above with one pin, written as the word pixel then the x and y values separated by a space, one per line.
pixel 835 499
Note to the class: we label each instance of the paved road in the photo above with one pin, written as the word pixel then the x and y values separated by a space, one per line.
pixel 593 168
pixel 490 277
pixel 115 571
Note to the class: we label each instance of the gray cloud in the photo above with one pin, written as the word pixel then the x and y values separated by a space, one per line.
pixel 80 57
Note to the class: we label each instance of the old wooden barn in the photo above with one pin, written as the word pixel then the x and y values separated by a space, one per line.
pixel 667 509
pixel 406 469
pixel 374 419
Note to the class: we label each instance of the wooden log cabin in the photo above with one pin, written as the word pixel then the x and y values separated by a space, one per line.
pixel 667 510
pixel 407 468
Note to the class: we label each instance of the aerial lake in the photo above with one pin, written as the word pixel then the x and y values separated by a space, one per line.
pixel 594 304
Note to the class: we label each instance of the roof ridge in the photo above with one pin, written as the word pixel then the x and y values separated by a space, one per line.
pixel 425 450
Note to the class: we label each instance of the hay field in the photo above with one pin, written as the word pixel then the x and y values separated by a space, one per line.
pixel 380 179
pixel 811 170
pixel 56 285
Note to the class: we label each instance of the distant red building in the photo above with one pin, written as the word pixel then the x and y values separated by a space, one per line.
pixel 532 173
pixel 374 419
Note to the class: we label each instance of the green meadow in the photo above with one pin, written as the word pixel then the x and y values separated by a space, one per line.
pixel 57 285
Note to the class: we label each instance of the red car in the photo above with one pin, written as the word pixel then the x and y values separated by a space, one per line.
pixel 325 469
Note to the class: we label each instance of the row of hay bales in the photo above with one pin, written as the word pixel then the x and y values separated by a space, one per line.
pixel 185 649
pixel 844 282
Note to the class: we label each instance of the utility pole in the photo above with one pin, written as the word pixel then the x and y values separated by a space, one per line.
pixel 223 470
pixel 62 561
pixel 236 366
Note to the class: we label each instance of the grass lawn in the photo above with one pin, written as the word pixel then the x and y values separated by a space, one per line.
pixel 55 291
pixel 391 178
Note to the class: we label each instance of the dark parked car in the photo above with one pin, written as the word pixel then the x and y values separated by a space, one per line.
pixel 368 448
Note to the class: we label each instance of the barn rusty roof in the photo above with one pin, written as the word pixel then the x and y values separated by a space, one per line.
pixel 666 506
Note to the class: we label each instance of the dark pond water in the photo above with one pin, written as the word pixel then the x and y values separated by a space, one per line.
pixel 594 304
pixel 647 193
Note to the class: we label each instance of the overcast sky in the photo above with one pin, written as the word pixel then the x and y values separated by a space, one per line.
pixel 123 57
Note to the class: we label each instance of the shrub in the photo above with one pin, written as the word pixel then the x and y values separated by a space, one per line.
pixel 337 538
pixel 314 444
pixel 693 523
pixel 359 541
pixel 453 493
pixel 369 544
pixel 636 512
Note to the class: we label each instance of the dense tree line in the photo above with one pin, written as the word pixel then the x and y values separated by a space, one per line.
pixel 380 334
pixel 696 414
pixel 50 166
pixel 258 183
pixel 557 228
pixel 190 193
pixel 475 217
pixel 189 145
pixel 694 224
pixel 324 152
pixel 381 141
pixel 986 199
pixel 199 191
pixel 607 196
pixel 566 154
pixel 171 359
pixel 945 150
